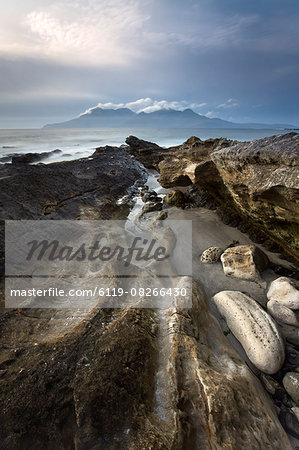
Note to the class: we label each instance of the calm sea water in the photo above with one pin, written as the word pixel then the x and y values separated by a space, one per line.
pixel 76 143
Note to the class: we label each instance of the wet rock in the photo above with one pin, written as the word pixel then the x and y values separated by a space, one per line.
pixel 282 313
pixel 283 291
pixel 151 206
pixel 295 410
pixel 290 333
pixel 149 196
pixel 289 422
pixel 291 385
pixel 272 386
pixel 245 262
pixel 175 198
pixel 69 189
pixel 254 328
pixel 211 255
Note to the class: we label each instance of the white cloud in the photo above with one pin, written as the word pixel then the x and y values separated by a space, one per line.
pixel 148 105
pixel 230 103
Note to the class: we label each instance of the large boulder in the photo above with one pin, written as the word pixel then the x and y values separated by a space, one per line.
pixel 190 163
pixel 254 328
pixel 245 262
pixel 148 153
pixel 283 291
pixel 262 182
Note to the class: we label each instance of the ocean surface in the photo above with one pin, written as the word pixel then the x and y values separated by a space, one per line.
pixel 76 143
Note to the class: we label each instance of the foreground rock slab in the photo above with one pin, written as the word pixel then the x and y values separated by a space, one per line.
pixel 254 328
pixel 131 379
pixel 245 262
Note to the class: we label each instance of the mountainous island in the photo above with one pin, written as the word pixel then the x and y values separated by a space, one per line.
pixel 164 118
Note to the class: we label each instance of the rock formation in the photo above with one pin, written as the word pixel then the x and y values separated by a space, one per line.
pixel 256 182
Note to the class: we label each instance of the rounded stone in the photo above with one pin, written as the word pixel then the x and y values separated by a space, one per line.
pixel 283 291
pixel 254 328
pixel 291 385
pixel 211 255
pixel 282 313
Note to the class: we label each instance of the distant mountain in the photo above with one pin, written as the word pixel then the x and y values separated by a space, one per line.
pixel 164 118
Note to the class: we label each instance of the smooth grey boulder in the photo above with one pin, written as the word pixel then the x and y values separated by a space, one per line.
pixel 283 291
pixel 254 328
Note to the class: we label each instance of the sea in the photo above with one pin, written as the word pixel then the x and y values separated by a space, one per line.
pixel 78 143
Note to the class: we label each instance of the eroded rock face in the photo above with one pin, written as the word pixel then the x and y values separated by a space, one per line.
pixel 254 328
pixel 262 180
pixel 245 262
pixel 282 290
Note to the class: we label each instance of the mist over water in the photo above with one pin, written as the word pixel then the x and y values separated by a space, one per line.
pixel 78 143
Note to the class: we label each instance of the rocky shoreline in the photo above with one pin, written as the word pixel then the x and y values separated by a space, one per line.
pixel 222 374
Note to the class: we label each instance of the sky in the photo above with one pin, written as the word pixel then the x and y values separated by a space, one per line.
pixel 233 59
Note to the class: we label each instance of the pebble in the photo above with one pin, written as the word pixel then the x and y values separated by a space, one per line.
pixel 211 255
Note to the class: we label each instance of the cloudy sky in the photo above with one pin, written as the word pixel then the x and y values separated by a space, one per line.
pixel 234 59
